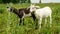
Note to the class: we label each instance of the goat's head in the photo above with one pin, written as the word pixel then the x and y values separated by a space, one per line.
pixel 10 9
pixel 32 8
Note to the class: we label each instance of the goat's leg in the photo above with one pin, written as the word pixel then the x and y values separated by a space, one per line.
pixel 20 21
pixel 33 15
pixel 50 20
pixel 40 21
pixel 45 21
pixel 35 20
pixel 23 21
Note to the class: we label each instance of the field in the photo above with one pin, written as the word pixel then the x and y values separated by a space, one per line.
pixel 9 22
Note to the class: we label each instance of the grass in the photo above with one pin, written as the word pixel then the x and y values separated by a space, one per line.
pixel 9 22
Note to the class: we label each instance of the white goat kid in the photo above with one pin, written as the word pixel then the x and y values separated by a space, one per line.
pixel 42 12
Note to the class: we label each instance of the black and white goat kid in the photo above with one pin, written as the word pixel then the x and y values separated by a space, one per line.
pixel 23 12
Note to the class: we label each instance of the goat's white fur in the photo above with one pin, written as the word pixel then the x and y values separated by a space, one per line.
pixel 42 12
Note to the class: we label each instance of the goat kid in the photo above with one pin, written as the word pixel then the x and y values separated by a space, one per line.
pixel 24 12
pixel 42 12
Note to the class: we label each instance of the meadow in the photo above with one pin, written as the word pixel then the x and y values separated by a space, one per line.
pixel 9 22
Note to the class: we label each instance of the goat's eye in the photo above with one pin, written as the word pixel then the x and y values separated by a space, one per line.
pixel 7 7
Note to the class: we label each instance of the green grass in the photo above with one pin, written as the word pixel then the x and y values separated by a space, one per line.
pixel 9 23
